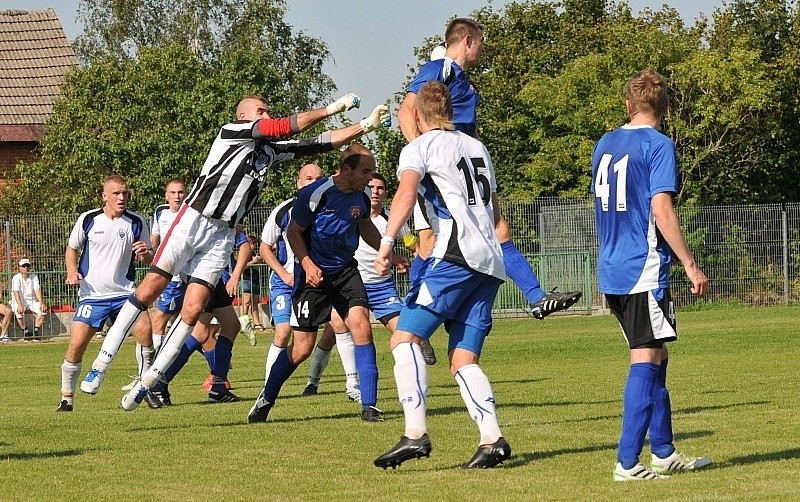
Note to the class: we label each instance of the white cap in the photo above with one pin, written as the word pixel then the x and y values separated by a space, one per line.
pixel 24 261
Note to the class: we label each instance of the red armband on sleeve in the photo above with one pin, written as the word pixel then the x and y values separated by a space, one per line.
pixel 275 128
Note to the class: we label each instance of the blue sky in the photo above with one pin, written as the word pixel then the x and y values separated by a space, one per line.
pixel 372 41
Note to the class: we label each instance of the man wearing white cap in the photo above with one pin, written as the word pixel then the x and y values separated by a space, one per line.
pixel 26 295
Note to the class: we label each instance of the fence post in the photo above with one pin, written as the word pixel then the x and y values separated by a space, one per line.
pixel 785 232
pixel 8 260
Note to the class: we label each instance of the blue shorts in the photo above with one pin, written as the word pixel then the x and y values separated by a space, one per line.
pixel 96 312
pixel 280 297
pixel 171 300
pixel 383 300
pixel 455 295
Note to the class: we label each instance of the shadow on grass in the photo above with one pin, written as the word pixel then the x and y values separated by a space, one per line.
pixel 515 381
pixel 757 458
pixel 698 409
pixel 526 458
pixel 40 455
pixel 680 436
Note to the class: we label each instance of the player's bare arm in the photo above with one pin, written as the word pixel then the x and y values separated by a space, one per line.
pixel 271 259
pixel 668 224
pixel 402 208
pixel 245 253
pixel 71 262
pixel 294 235
pixel 405 116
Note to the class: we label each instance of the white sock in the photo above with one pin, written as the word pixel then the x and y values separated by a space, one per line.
pixel 347 352
pixel 272 355
pixel 116 334
pixel 476 391
pixel 158 339
pixel 411 376
pixel 144 357
pixel 178 334
pixel 69 377
pixel 319 361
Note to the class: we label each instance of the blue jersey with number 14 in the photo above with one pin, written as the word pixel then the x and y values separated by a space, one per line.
pixel 629 167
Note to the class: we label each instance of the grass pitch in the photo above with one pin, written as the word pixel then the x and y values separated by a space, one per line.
pixel 733 377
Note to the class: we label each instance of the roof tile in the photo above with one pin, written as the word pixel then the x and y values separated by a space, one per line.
pixel 35 54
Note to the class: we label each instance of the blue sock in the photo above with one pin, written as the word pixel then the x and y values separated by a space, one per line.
pixel 637 410
pixel 416 269
pixel 222 357
pixel 281 370
pixel 520 271
pixel 210 356
pixel 367 368
pixel 189 346
pixel 660 430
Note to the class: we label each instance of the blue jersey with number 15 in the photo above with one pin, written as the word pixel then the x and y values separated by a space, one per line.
pixel 629 167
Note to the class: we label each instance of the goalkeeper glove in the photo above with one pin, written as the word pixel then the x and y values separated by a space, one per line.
pixel 380 117
pixel 346 102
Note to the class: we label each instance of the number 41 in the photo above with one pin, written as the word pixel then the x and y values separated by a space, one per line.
pixel 601 185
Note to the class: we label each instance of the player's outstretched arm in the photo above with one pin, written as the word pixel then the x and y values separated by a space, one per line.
pixel 380 117
pixel 306 120
pixel 668 224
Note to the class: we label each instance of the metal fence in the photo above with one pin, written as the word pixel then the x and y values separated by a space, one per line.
pixel 751 254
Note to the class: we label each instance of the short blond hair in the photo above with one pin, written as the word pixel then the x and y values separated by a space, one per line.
pixel 114 178
pixel 434 105
pixel 646 92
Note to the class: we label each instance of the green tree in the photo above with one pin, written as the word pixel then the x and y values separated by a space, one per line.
pixel 150 97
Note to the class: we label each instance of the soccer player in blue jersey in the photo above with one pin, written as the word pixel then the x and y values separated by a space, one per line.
pixel 464 48
pixel 103 247
pixel 382 296
pixel 634 179
pixel 453 174
pixel 278 256
pixel 327 219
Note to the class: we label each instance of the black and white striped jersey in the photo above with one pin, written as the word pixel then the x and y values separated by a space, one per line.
pixel 236 168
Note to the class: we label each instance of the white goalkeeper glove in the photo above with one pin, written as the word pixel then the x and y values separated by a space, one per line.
pixel 346 102
pixel 380 117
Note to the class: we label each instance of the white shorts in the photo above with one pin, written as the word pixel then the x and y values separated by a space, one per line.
pixel 34 307
pixel 195 245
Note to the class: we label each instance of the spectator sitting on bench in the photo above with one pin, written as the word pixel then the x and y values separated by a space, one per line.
pixel 27 295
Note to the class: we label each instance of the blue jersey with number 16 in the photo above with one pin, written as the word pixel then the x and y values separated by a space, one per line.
pixel 629 167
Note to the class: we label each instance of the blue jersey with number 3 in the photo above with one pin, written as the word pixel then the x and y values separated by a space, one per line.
pixel 629 167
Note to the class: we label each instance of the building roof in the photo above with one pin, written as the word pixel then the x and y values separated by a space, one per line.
pixel 34 56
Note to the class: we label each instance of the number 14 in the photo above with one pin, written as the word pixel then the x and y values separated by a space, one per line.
pixel 602 187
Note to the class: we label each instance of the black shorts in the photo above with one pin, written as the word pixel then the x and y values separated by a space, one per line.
pixel 219 298
pixel 311 307
pixel 645 319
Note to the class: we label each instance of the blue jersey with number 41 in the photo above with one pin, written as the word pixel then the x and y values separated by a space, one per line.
pixel 631 165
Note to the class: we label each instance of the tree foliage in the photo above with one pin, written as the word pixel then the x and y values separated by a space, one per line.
pixel 159 77
pixel 153 91
pixel 553 77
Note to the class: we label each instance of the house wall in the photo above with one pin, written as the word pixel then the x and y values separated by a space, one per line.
pixel 11 152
